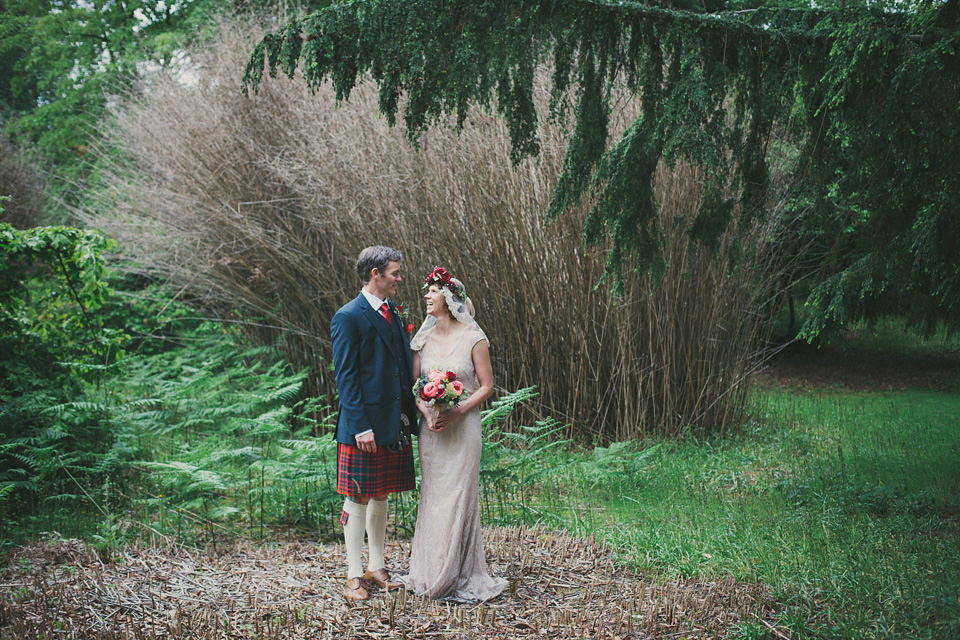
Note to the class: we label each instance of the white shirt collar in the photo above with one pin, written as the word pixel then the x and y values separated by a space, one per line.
pixel 374 301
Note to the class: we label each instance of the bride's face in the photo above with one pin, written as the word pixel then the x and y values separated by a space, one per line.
pixel 436 304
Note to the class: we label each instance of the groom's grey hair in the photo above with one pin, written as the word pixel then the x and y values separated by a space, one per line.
pixel 375 257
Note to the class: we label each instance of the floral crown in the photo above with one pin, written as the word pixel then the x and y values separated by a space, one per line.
pixel 442 278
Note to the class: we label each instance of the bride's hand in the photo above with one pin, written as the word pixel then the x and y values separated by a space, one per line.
pixel 435 421
pixel 447 416
pixel 427 414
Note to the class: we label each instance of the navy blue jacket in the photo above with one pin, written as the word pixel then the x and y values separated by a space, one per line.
pixel 374 372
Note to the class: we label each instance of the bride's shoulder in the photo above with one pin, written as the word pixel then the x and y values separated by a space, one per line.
pixel 475 335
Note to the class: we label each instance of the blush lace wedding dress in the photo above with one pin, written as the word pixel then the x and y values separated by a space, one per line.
pixel 447 558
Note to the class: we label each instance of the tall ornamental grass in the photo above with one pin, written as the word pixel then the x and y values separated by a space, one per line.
pixel 258 208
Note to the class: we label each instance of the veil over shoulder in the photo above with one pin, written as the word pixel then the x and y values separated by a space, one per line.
pixel 420 338
pixel 461 309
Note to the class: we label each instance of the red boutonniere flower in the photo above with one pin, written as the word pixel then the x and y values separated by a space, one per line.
pixel 401 315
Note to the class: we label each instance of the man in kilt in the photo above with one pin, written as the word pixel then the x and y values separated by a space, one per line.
pixel 374 373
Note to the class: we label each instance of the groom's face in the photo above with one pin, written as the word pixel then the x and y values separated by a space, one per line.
pixel 384 284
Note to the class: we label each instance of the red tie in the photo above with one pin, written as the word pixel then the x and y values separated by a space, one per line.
pixel 385 312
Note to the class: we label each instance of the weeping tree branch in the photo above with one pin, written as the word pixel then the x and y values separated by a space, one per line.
pixel 855 96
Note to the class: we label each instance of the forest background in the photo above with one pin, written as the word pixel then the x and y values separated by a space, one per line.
pixel 165 352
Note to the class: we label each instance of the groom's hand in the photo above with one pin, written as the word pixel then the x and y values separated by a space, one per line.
pixel 367 443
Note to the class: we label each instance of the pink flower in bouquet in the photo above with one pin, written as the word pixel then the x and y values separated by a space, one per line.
pixel 433 390
pixel 439 388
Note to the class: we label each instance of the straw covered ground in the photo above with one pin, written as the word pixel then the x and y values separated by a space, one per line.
pixel 560 587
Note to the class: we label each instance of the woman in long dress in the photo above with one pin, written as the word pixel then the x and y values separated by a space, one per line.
pixel 447 559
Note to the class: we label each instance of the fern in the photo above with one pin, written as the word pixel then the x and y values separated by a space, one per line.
pixel 88 407
pixel 504 406
pixel 286 393
pixel 617 465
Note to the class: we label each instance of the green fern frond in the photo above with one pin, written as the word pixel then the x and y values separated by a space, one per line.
pixel 504 405
pixel 286 393
pixel 245 455
pixel 93 407
pixel 221 512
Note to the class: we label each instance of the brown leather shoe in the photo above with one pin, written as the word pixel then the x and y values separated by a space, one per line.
pixel 381 578
pixel 354 590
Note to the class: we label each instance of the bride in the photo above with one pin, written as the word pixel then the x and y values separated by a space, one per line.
pixel 447 559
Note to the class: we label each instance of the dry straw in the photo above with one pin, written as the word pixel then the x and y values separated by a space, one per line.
pixel 260 206
pixel 560 587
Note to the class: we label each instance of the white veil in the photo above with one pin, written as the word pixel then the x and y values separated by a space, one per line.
pixel 462 311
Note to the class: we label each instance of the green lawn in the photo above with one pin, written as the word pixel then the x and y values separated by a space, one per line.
pixel 847 505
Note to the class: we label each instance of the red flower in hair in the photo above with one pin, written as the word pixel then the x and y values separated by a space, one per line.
pixel 442 278
pixel 439 275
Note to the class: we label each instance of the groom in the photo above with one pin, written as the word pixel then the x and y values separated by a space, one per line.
pixel 374 373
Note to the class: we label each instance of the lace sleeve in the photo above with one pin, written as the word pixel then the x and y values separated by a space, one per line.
pixel 476 335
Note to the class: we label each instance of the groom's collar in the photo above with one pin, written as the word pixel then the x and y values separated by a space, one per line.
pixel 374 301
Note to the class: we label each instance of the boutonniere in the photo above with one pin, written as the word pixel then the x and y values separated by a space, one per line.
pixel 401 315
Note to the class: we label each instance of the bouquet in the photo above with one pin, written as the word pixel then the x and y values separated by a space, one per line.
pixel 439 389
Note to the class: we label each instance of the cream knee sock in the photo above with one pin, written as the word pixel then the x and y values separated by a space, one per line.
pixel 356 515
pixel 377 532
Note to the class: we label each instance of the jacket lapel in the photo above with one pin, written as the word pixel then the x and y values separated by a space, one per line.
pixel 375 319
pixel 402 341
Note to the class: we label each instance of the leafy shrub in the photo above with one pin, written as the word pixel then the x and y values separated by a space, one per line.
pixel 53 347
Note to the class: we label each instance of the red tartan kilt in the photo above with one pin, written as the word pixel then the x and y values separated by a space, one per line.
pixel 364 475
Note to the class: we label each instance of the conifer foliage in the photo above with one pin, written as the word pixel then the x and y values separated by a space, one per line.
pixel 863 101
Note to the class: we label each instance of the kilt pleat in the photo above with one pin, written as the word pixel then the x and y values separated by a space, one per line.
pixel 363 475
